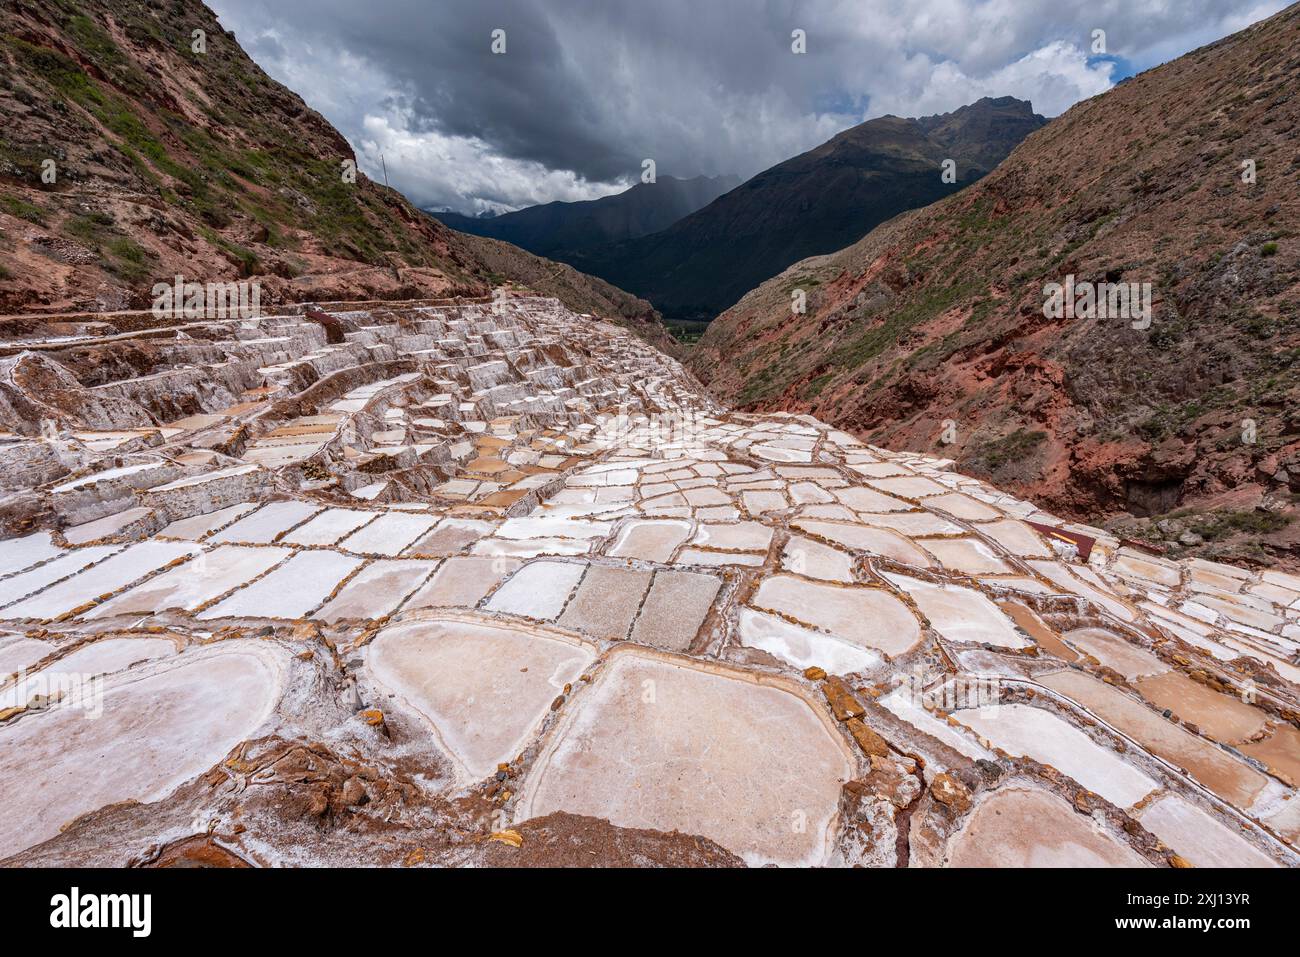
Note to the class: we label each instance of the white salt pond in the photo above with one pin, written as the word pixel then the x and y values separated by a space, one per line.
pixel 376 590
pixel 19 553
pixel 865 617
pixel 390 534
pixel 1196 836
pixel 158 730
pixel 262 526
pixel 651 540
pixel 195 583
pixel 1028 827
pixel 864 538
pixel 538 590
pixel 672 745
pixel 1023 730
pixel 962 614
pixel 802 647
pixel 197 526
pixel 105 657
pixel 968 556
pixel 484 688
pixel 108 576
pixel 25 583
pixel 803 556
pixel 903 703
pixel 18 652
pixel 291 591
pixel 105 476
pixel 328 527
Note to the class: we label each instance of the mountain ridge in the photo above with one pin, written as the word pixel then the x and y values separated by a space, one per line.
pixel 812 203
pixel 558 227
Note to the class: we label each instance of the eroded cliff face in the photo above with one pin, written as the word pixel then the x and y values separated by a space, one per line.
pixel 930 333
pixel 466 583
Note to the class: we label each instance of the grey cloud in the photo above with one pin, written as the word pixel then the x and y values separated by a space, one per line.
pixel 589 89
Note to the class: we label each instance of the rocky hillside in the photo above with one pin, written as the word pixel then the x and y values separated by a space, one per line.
pixel 506 263
pixel 938 316
pixel 814 203
pixel 559 229
pixel 169 161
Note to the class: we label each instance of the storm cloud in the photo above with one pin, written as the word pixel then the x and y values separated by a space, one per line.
pixel 588 89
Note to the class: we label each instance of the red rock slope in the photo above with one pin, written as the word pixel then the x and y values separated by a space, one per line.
pixel 937 316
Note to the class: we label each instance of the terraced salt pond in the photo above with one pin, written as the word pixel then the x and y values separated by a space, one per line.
pixel 651 540
pixel 1199 838
pixel 961 614
pixel 462 582
pixel 1233 780
pixel 198 526
pixel 204 578
pixel 966 556
pixel 18 652
pixel 21 585
pixel 539 590
pixel 376 590
pixel 712 633
pixel 113 573
pixel 1025 827
pixel 269 521
pixel 803 647
pixel 1025 730
pixel 328 527
pixel 17 554
pixel 875 541
pixel 389 534
pixel 482 688
pixel 1220 716
pixel 1116 653
pixel 673 745
pixel 865 617
pixel 103 657
pixel 291 591
pixel 161 728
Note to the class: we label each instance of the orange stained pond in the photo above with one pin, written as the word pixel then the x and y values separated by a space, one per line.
pixel 1025 827
pixel 1218 715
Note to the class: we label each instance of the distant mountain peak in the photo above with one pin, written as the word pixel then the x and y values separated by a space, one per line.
pixel 816 202
pixel 563 229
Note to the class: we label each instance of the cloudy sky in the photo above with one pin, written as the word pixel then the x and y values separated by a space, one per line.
pixel 587 89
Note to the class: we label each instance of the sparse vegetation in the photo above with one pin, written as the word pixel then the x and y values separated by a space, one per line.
pixel 815 386
pixel 686 331
pixel 884 334
pixel 22 210
pixel 1215 526
pixel 994 456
